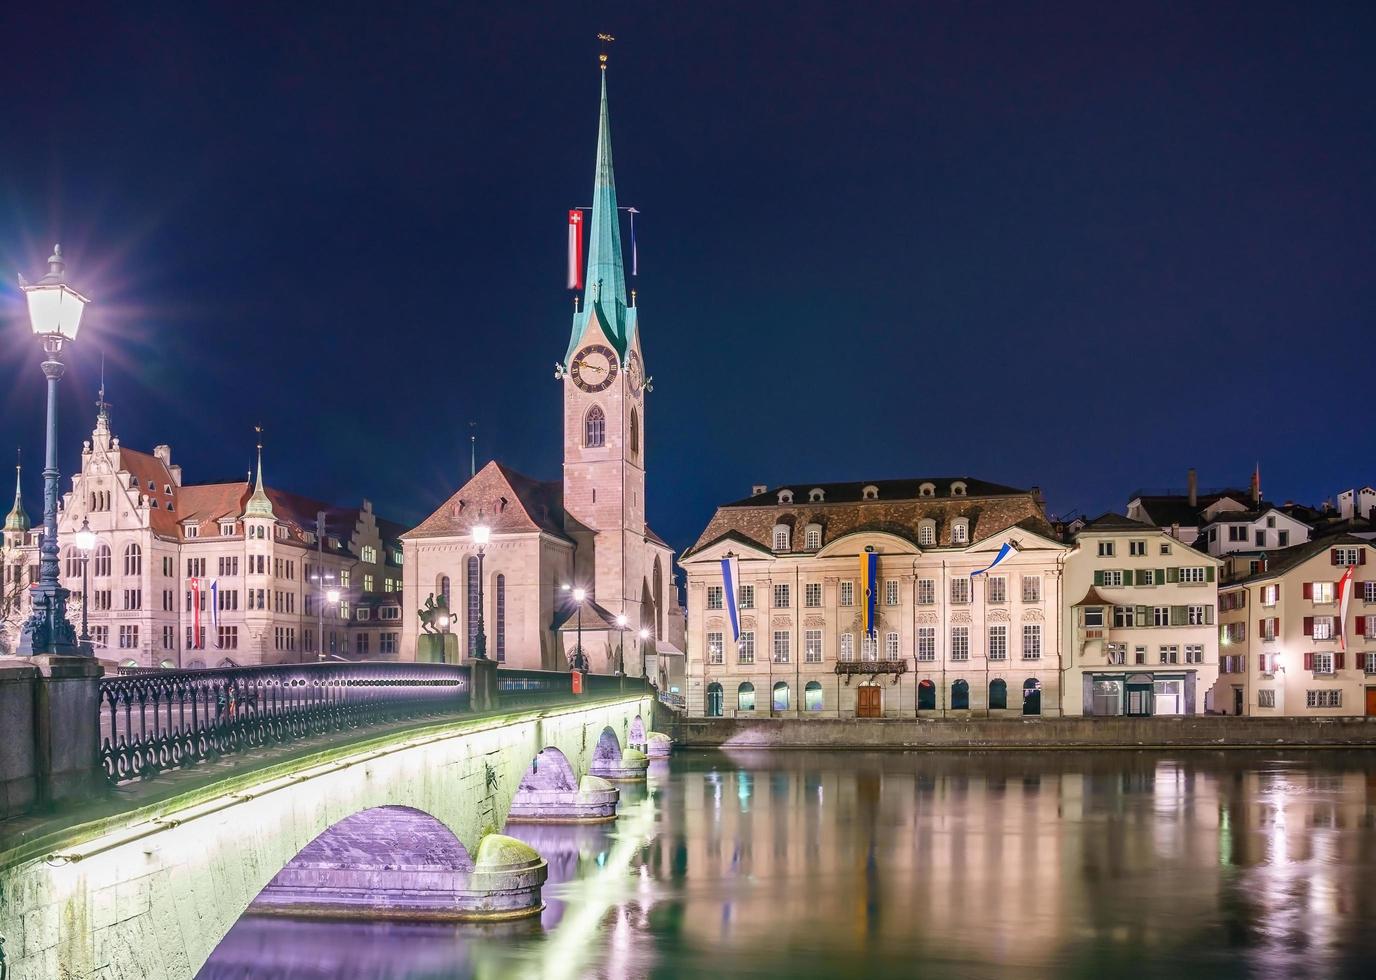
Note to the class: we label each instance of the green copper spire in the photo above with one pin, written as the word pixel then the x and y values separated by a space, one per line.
pixel 17 519
pixel 259 505
pixel 604 289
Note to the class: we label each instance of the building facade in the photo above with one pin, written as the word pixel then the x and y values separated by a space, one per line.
pixel 948 640
pixel 584 535
pixel 1140 633
pixel 1289 644
pixel 212 574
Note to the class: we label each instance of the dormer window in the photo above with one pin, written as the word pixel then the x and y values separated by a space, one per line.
pixel 870 492
pixel 167 488
pixel 152 486
pixel 927 490
pixel 781 537
pixel 960 531
pixel 226 527
pixel 785 496
pixel 815 495
pixel 280 532
pixel 926 532
pixel 812 537
pixel 958 489
pixel 133 483
pixel 193 530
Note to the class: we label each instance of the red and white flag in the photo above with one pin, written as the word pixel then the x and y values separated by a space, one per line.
pixel 195 614
pixel 575 249
pixel 1344 597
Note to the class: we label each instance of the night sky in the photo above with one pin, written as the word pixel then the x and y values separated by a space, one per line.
pixel 1083 247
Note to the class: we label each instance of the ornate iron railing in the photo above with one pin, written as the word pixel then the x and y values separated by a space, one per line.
pixel 872 666
pixel 176 718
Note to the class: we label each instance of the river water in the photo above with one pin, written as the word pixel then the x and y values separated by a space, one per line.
pixel 903 864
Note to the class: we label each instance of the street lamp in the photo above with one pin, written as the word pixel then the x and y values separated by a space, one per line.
pixel 578 596
pixel 55 314
pixel 333 596
pixel 644 635
pixel 320 578
pixel 621 644
pixel 482 534
pixel 85 541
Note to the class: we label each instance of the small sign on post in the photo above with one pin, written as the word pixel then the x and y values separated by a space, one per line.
pixel 577 682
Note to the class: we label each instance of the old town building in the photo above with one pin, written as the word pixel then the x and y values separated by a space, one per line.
pixel 1291 642
pixel 948 640
pixel 1140 632
pixel 583 535
pixel 211 574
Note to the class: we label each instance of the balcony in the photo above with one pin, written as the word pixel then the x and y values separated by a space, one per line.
pixel 871 668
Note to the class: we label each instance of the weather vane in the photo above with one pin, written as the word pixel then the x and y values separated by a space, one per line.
pixel 606 39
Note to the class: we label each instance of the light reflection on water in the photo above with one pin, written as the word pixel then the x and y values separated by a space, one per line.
pixel 897 864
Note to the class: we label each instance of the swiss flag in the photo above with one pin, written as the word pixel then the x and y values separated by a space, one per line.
pixel 1344 599
pixel 575 249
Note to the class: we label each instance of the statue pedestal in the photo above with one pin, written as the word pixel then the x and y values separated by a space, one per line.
pixel 482 679
pixel 437 648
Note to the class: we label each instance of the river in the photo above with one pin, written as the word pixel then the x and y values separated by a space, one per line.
pixel 969 865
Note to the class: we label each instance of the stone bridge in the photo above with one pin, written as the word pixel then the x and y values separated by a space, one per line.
pixel 151 893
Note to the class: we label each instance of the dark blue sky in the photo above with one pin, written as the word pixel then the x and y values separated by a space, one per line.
pixel 1084 247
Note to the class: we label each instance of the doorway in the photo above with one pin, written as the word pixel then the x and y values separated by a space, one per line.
pixel 1371 700
pixel 869 701
pixel 1237 701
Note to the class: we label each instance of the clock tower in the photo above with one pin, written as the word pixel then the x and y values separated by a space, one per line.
pixel 603 375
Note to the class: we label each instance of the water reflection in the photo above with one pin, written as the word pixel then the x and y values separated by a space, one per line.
pixel 1012 864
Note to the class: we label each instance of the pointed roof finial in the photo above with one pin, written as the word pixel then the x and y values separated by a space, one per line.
pixel 102 406
pixel 258 504
pixel 17 520
pixel 606 39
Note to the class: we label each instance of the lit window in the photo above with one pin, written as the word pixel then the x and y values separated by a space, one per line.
pixel 1031 641
pixel 715 648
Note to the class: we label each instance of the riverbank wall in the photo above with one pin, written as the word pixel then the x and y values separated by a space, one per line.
pixel 1185 731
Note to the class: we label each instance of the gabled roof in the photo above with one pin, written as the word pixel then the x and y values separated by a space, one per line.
pixel 1248 516
pixel 1116 522
pixel 888 490
pixel 1167 509
pixel 505 500
pixel 1281 561
pixel 1092 598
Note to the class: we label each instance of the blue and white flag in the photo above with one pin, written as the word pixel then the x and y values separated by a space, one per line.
pixel 215 610
pixel 730 576
pixel 1004 552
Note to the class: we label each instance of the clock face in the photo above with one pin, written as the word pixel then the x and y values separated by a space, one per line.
pixel 594 368
pixel 635 374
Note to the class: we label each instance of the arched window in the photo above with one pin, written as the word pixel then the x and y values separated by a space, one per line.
pixel 812 696
pixel 870 492
pixel 714 700
pixel 960 531
pixel 133 560
pixel 745 697
pixel 998 694
pixel 1031 696
pixel 869 646
pixel 958 489
pixel 812 537
pixel 785 496
pixel 635 433
pixel 499 618
pixel 442 587
pixel 100 561
pixel 926 532
pixel 472 585
pixel 781 537
pixel 816 495
pixel 595 427
pixel 780 696
pixel 927 490
pixel 926 696
pixel 960 695
pixel 73 562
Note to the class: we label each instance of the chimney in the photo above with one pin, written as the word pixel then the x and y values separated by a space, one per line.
pixel 1038 498
pixel 163 454
pixel 758 489
pixel 1193 481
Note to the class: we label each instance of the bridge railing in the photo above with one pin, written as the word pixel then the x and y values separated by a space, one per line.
pixel 518 686
pixel 176 718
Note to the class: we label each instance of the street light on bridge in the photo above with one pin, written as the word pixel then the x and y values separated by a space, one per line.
pixel 55 310
pixel 85 542
pixel 482 534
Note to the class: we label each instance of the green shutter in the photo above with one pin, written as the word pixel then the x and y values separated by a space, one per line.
pixel 1172 575
pixel 1208 573
pixel 1140 576
pixel 1099 578
pixel 1209 614
pixel 1140 613
pixel 1178 615
pixel 1160 576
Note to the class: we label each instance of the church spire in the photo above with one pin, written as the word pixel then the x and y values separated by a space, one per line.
pixel 17 519
pixel 605 284
pixel 259 505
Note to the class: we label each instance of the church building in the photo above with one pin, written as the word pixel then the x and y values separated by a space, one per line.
pixel 570 565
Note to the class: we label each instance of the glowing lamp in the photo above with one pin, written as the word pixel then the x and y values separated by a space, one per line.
pixel 482 534
pixel 55 308
pixel 332 595
pixel 644 634
pixel 85 538
pixel 621 621
pixel 579 595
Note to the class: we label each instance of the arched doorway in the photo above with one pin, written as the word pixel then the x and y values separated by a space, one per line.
pixel 869 701
pixel 812 696
pixel 998 694
pixel 926 696
pixel 745 697
pixel 781 698
pixel 1031 696
pixel 960 696
pixel 714 700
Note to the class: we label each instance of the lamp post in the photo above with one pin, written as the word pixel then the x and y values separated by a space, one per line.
pixel 320 578
pixel 621 644
pixel 578 596
pixel 644 635
pixel 55 314
pixel 482 534
pixel 333 596
pixel 85 541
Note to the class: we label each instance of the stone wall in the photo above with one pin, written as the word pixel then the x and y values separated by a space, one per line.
pixel 1204 731
pixel 152 896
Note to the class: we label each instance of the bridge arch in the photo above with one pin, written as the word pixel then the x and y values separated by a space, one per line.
pixel 635 735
